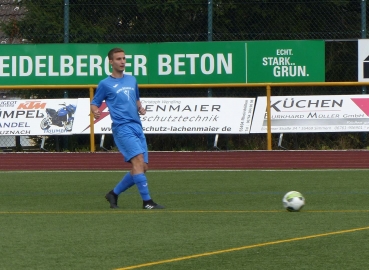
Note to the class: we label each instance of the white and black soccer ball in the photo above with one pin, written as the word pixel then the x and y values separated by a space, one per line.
pixel 293 201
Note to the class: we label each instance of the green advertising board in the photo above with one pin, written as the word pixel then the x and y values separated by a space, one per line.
pixel 285 61
pixel 165 63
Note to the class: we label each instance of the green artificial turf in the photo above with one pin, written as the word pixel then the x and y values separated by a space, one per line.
pixel 212 220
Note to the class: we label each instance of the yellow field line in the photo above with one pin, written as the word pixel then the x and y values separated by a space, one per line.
pixel 241 248
pixel 141 211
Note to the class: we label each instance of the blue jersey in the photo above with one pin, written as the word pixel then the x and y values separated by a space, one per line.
pixel 120 95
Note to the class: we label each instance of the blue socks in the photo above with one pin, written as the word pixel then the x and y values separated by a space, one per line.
pixel 124 184
pixel 129 180
pixel 141 183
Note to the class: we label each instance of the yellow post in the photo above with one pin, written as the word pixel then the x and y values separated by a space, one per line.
pixel 269 121
pixel 92 130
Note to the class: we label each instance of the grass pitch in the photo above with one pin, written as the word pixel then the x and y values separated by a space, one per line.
pixel 212 220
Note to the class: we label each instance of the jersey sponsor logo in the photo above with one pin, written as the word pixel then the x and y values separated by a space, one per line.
pixel 125 90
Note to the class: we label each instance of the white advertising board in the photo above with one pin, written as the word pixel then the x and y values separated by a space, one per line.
pixel 301 114
pixel 164 115
pixel 37 116
pixel 363 60
pixel 185 115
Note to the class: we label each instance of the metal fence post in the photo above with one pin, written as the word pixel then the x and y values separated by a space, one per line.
pixel 66 40
pixel 363 36
pixel 363 29
pixel 269 121
pixel 210 38
pixel 210 32
pixel 92 127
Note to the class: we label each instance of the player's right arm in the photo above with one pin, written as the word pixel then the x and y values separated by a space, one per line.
pixel 95 111
pixel 97 100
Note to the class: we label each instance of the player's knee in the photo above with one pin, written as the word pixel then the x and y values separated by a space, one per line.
pixel 138 164
pixel 137 167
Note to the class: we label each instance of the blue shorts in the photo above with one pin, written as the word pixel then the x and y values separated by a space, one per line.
pixel 131 141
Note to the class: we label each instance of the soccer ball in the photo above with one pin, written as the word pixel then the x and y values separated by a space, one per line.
pixel 293 201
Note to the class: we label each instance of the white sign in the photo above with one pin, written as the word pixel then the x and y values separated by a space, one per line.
pixel 37 116
pixel 185 115
pixel 302 114
pixel 164 116
pixel 363 60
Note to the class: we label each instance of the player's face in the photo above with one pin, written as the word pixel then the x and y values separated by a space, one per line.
pixel 118 63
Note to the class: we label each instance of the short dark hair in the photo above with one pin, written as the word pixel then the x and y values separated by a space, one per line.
pixel 113 51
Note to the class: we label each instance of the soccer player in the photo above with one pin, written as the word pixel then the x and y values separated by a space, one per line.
pixel 121 94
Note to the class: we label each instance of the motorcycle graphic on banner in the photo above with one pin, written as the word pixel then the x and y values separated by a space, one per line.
pixel 63 117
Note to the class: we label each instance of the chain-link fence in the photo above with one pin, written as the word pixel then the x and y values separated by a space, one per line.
pixel 339 23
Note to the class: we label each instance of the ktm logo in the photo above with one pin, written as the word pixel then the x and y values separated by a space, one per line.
pixel 32 105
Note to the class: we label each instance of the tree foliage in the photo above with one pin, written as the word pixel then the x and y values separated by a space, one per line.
pixel 184 20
